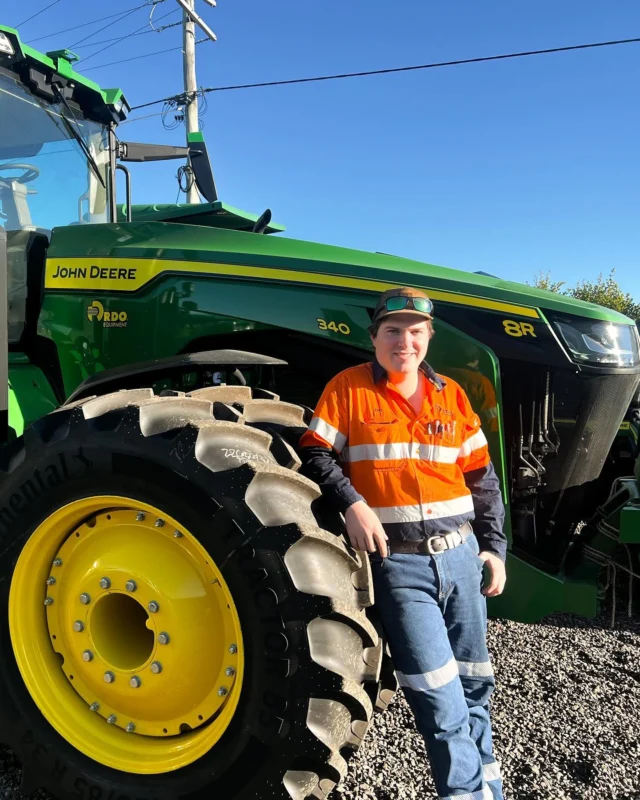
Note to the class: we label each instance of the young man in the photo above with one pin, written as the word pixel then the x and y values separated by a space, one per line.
pixel 399 450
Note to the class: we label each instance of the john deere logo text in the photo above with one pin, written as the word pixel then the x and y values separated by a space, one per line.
pixel 102 273
pixel 109 319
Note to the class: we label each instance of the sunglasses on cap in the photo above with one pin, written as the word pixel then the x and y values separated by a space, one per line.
pixel 421 304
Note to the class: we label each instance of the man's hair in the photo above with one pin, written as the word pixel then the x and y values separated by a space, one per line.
pixel 373 329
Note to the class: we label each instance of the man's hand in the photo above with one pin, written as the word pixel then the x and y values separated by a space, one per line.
pixel 365 529
pixel 497 574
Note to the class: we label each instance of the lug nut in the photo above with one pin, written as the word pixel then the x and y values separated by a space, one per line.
pixel 87 655
pixel 153 607
pixel 94 706
pixel 223 691
pixel 112 719
pixel 105 583
pixel 51 580
pixel 109 677
pixel 163 638
pixel 57 562
pixel 78 626
pixel 159 523
pixel 131 586
pixel 156 667
pixel 130 727
pixel 229 672
pixel 177 535
pixel 85 599
pixel 48 601
pixel 233 649
pixel 135 682
pixel 140 516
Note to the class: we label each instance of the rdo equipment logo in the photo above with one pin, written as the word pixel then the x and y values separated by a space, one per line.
pixel 109 319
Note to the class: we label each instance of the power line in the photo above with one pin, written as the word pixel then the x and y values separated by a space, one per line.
pixel 142 33
pixel 37 14
pixel 138 119
pixel 434 65
pixel 108 25
pixel 146 55
pixel 86 24
pixel 128 35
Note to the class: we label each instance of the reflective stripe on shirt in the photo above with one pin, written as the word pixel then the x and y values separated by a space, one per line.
pixel 475 442
pixel 425 511
pixel 398 451
pixel 330 434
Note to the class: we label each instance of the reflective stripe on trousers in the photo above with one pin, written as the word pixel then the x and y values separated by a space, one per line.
pixel 435 620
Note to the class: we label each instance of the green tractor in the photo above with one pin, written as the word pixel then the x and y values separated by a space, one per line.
pixel 181 616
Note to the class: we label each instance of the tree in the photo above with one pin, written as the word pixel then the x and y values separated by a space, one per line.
pixel 543 281
pixel 603 291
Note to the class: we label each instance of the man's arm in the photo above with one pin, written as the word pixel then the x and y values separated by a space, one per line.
pixel 320 465
pixel 320 446
pixel 488 525
pixel 482 481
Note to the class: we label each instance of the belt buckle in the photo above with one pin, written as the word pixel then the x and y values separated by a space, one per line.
pixel 435 550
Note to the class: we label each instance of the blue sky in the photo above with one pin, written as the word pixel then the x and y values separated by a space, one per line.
pixel 512 167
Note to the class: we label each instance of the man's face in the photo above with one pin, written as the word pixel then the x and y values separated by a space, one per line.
pixel 401 343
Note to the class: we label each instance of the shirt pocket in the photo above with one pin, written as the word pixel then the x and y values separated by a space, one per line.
pixel 384 447
pixel 441 430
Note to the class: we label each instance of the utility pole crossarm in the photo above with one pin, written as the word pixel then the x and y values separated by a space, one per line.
pixel 189 9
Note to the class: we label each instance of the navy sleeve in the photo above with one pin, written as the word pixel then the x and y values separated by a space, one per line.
pixel 319 464
pixel 489 510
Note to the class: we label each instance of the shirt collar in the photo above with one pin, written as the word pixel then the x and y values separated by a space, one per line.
pixel 380 372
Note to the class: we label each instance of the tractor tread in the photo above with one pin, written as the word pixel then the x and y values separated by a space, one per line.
pixel 272 411
pixel 222 394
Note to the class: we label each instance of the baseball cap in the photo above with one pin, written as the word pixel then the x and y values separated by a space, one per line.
pixel 403 300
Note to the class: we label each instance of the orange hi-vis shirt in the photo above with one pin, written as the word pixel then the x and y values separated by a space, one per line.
pixel 409 467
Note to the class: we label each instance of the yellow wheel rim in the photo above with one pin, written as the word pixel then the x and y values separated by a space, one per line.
pixel 126 635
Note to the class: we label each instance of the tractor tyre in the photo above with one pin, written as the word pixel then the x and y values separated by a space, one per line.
pixel 177 621
pixel 264 410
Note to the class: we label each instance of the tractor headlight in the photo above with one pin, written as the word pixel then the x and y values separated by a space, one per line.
pixel 598 342
pixel 5 45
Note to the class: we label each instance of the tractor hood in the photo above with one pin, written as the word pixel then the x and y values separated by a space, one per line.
pixel 208 248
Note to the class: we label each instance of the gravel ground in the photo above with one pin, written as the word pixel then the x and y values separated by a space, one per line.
pixel 566 715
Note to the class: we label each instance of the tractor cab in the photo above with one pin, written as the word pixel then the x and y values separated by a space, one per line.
pixel 54 166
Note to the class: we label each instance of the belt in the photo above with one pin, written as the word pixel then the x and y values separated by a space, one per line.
pixel 433 545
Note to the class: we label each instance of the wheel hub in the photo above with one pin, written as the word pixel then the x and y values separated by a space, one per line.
pixel 126 634
pixel 124 580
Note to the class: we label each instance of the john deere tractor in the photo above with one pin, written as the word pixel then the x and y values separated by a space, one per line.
pixel 182 616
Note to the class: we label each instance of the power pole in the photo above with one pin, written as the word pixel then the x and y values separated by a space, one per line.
pixel 189 21
pixel 190 84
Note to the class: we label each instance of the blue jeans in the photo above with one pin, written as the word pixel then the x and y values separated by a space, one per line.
pixel 435 620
